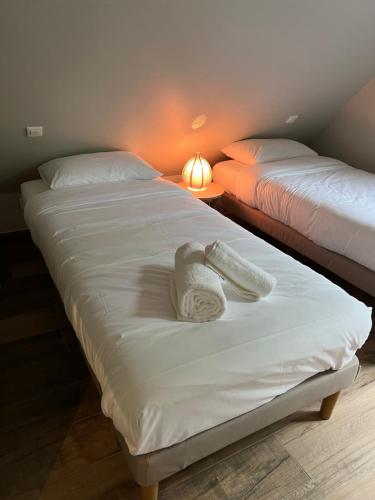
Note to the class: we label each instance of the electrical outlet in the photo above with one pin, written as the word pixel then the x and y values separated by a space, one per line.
pixel 34 131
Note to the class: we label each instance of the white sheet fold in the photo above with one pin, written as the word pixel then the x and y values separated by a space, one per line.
pixel 196 290
pixel 247 279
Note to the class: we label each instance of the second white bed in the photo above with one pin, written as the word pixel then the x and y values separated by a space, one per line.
pixel 110 251
pixel 329 202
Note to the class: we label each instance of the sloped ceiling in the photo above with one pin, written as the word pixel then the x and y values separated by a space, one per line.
pixel 350 136
pixel 133 74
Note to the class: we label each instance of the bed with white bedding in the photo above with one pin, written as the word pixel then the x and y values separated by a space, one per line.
pixel 325 200
pixel 110 250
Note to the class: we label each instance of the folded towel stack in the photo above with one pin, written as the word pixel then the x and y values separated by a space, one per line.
pixel 247 279
pixel 196 290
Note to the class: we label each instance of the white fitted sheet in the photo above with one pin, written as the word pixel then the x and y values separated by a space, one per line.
pixel 110 250
pixel 324 199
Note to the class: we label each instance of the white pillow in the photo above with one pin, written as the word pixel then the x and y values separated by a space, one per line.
pixel 251 151
pixel 95 168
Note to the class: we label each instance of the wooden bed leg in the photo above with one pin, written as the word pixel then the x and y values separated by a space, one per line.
pixel 328 405
pixel 150 492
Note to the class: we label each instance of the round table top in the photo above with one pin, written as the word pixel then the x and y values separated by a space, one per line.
pixel 211 192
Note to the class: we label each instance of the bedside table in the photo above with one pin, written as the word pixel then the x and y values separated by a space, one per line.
pixel 211 195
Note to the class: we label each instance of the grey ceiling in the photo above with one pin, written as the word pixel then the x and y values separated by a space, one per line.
pixel 106 74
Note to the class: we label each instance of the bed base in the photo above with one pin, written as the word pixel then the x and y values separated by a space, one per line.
pixel 150 468
pixel 350 271
pixel 326 410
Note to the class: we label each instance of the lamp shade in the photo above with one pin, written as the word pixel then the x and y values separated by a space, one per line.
pixel 197 173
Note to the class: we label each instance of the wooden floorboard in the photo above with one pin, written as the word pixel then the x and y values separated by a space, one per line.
pixel 264 470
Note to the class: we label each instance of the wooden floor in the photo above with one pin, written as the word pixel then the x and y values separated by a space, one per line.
pixel 56 444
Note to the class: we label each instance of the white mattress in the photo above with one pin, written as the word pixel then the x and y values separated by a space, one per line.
pixel 110 250
pixel 324 199
pixel 31 188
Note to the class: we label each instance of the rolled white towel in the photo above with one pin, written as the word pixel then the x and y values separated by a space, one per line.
pixel 247 279
pixel 196 290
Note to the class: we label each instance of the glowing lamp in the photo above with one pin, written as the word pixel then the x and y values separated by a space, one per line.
pixel 197 174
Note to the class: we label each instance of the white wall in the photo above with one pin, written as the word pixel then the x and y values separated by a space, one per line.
pixel 350 136
pixel 107 74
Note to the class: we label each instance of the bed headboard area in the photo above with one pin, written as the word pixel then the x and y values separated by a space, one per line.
pixel 139 74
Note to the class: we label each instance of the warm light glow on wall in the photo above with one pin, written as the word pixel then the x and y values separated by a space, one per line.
pixel 197 173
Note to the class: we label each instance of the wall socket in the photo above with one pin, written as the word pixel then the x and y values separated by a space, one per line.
pixel 34 131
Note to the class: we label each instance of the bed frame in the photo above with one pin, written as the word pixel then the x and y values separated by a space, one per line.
pixel 347 269
pixel 151 468
pixel 148 469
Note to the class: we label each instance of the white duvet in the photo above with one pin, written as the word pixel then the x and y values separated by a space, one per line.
pixel 324 199
pixel 110 250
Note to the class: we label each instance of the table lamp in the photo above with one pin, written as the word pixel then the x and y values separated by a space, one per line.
pixel 197 174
